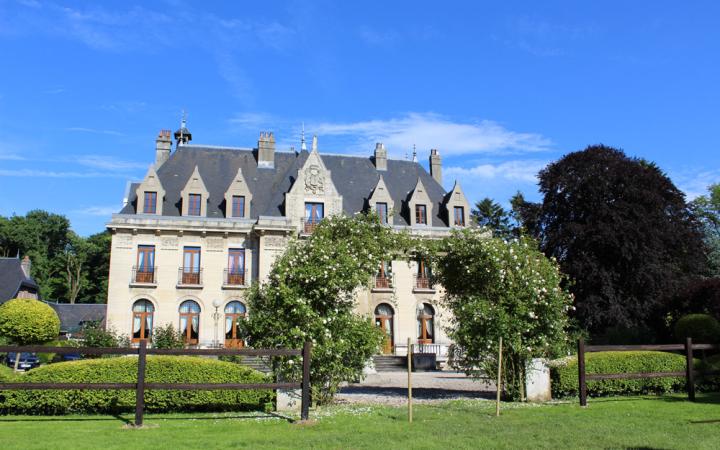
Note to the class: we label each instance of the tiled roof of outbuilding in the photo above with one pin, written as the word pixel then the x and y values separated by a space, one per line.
pixel 12 278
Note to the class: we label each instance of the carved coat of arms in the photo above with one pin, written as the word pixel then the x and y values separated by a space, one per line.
pixel 314 180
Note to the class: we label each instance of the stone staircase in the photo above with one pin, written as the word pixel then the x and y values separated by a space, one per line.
pixel 390 363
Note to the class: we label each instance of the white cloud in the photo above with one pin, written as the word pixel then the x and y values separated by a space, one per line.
pixel 98 210
pixel 10 156
pixel 35 173
pixel 109 163
pixel 517 170
pixel 435 131
pixel 95 131
pixel 694 183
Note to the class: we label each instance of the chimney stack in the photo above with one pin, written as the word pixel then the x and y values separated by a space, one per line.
pixel 25 265
pixel 436 166
pixel 163 144
pixel 266 150
pixel 380 156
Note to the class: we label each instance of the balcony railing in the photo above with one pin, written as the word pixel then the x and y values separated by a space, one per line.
pixel 309 225
pixel 189 276
pixel 383 282
pixel 423 283
pixel 234 277
pixel 143 275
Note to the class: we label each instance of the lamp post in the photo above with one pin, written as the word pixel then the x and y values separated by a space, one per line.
pixel 216 317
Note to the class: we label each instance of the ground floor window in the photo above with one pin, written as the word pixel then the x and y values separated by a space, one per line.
pixel 142 320
pixel 234 311
pixel 190 321
pixel 426 324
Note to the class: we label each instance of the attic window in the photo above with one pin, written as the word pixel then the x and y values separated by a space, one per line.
pixel 420 215
pixel 382 212
pixel 150 203
pixel 459 216
pixel 238 206
pixel 194 204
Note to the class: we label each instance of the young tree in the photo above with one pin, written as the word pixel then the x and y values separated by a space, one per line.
pixel 622 232
pixel 26 321
pixel 309 294
pixel 707 210
pixel 497 289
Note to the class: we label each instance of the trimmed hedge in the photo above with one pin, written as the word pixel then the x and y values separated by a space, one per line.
pixel 564 373
pixel 6 374
pixel 27 321
pixel 702 328
pixel 159 369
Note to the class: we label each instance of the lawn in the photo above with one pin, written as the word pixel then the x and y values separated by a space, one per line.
pixel 649 422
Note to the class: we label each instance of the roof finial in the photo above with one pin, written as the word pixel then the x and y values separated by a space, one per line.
pixel 183 125
pixel 414 154
pixel 315 143
pixel 302 138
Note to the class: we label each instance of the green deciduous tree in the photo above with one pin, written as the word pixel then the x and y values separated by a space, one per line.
pixel 622 232
pixel 310 295
pixel 495 288
pixel 707 210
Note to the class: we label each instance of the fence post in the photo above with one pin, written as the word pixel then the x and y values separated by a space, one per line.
pixel 582 388
pixel 305 404
pixel 689 372
pixel 140 389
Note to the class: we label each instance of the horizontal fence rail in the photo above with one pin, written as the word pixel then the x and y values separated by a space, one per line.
pixel 689 373
pixel 142 351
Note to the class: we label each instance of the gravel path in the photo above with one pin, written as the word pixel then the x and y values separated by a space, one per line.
pixel 390 388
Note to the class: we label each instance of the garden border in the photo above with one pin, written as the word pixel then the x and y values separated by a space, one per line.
pixel 689 372
pixel 142 351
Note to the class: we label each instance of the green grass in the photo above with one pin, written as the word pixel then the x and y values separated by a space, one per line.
pixel 628 422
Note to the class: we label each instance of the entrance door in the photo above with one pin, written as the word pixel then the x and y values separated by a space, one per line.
pixel 384 315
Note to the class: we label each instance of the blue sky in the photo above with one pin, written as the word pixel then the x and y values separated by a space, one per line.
pixel 500 88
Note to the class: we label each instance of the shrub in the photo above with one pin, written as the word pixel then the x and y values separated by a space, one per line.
pixel 26 321
pixel 167 337
pixel 160 369
pixel 564 373
pixel 6 374
pixel 94 335
pixel 700 327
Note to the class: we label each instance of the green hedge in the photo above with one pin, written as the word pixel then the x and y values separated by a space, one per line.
pixel 702 328
pixel 564 373
pixel 160 369
pixel 6 374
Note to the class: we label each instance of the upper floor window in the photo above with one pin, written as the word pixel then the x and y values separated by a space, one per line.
pixel 238 206
pixel 145 272
pixel 314 212
pixel 190 271
pixel 459 214
pixel 382 211
pixel 236 267
pixel 420 215
pixel 150 204
pixel 194 204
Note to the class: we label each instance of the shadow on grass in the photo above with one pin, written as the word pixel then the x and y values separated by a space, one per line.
pixel 418 393
pixel 129 420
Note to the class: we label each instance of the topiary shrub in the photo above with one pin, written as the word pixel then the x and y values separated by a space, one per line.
pixel 564 373
pixel 25 321
pixel 160 369
pixel 700 327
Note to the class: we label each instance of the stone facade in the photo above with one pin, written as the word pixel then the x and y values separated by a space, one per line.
pixel 160 261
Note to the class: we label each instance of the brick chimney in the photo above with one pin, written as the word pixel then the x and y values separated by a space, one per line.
pixel 163 144
pixel 266 151
pixel 436 166
pixel 25 265
pixel 380 156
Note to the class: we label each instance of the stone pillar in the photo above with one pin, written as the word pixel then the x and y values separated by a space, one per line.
pixel 537 381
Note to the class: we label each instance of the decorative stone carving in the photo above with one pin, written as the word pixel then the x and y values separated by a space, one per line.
pixel 214 244
pixel 274 242
pixel 169 243
pixel 314 180
pixel 123 241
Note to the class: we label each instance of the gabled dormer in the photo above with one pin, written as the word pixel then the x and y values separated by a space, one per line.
pixel 381 202
pixel 420 206
pixel 238 197
pixel 313 194
pixel 194 196
pixel 150 194
pixel 458 208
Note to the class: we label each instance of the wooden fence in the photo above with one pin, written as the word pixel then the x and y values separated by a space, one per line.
pixel 689 372
pixel 142 351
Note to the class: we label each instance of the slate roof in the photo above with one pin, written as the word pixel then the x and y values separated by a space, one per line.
pixel 354 178
pixel 12 278
pixel 73 316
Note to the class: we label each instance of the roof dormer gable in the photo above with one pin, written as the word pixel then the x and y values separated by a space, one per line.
pixel 150 194
pixel 238 197
pixel 420 206
pixel 193 188
pixel 457 207
pixel 381 194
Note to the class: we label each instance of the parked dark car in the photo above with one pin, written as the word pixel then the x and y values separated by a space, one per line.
pixel 70 357
pixel 27 360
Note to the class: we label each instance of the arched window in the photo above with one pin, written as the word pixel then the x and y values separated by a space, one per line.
pixel 142 320
pixel 234 311
pixel 190 321
pixel 426 324
pixel 384 318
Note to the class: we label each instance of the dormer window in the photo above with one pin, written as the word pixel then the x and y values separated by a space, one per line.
pixel 420 215
pixel 238 206
pixel 314 213
pixel 382 211
pixel 194 202
pixel 459 216
pixel 150 203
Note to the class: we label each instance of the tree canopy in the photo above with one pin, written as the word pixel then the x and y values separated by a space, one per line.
pixel 620 229
pixel 707 209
